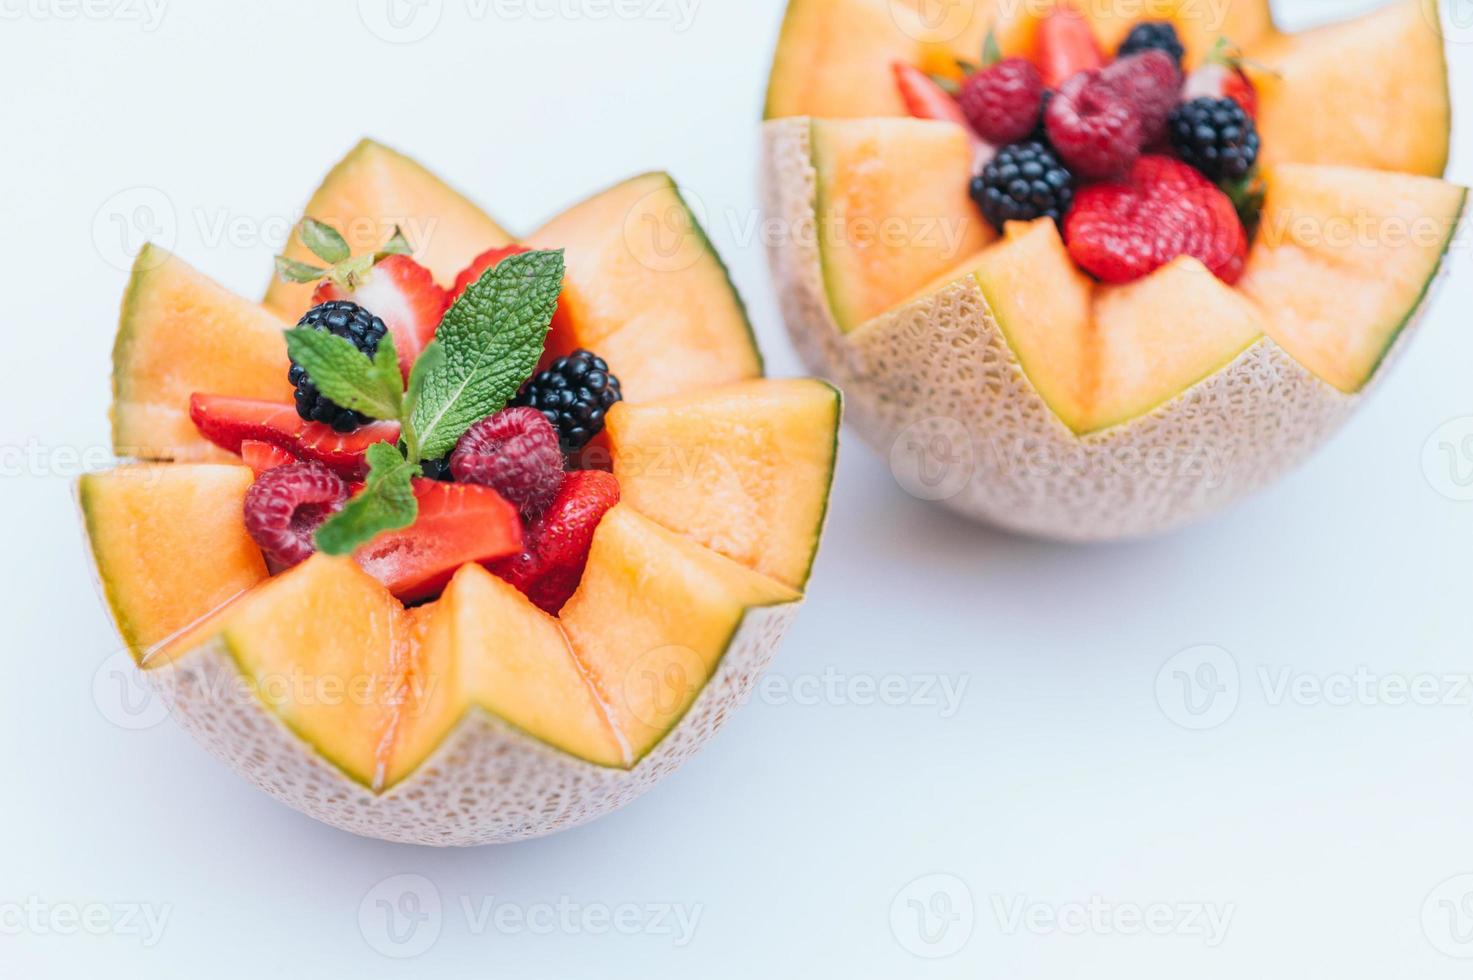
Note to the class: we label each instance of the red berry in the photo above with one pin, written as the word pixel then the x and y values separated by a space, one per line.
pixel 263 456
pixel 1065 46
pixel 1095 128
pixel 1223 81
pixel 287 504
pixel 923 98
pixel 230 422
pixel 516 452
pixel 557 544
pixel 1151 81
pixel 484 262
pixel 1125 230
pixel 402 293
pixel 1003 102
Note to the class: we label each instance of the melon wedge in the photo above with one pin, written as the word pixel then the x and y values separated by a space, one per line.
pixel 744 470
pixel 885 224
pixel 146 524
pixel 180 333
pixel 646 290
pixel 1199 24
pixel 372 190
pixel 653 617
pixel 1343 259
pixel 1371 92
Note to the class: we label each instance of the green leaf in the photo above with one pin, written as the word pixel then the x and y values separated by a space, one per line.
pixel 386 503
pixel 492 339
pixel 991 50
pixel 947 85
pixel 324 241
pixel 346 376
pixel 397 245
pixel 290 270
pixel 430 360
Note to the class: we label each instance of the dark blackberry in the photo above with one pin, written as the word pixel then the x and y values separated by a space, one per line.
pixel 1023 182
pixel 438 469
pixel 351 322
pixel 573 394
pixel 1216 136
pixel 1152 35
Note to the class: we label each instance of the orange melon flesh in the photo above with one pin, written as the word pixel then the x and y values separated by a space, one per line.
pixel 366 195
pixel 652 618
pixel 1342 260
pixel 647 291
pixel 744 470
pixel 833 60
pixel 1199 24
pixel 146 525
pixel 1159 336
pixel 1371 92
pixel 891 217
pixel 180 333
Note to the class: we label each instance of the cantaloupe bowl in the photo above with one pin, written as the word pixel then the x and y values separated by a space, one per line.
pixel 1006 383
pixel 476 718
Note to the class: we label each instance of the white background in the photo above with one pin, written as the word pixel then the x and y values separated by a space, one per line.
pixel 1323 831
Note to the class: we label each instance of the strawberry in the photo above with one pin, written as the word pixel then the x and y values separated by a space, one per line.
pixel 402 293
pixel 263 456
pixel 231 422
pixel 550 567
pixel 1163 209
pixel 1065 46
pixel 925 99
pixel 1223 80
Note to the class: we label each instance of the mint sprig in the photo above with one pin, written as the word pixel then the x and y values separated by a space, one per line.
pixel 488 344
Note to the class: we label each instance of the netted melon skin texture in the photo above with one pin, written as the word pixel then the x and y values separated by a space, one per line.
pixel 938 372
pixel 488 783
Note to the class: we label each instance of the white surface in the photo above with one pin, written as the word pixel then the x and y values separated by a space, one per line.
pixel 1324 831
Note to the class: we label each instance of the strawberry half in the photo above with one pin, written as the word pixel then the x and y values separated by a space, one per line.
pixel 263 456
pixel 231 422
pixel 550 567
pixel 402 293
pixel 1066 46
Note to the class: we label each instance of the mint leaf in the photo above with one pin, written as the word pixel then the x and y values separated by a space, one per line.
pixel 346 375
pixel 290 270
pixel 430 360
pixel 325 242
pixel 492 338
pixel 386 503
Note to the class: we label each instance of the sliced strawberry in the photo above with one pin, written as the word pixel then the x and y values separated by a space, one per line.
pixel 402 293
pixel 549 569
pixel 263 456
pixel 458 524
pixel 230 422
pixel 924 99
pixel 1066 46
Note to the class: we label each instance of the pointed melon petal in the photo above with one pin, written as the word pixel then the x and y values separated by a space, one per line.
pixel 1343 259
pixel 833 60
pixel 180 333
pixel 744 470
pixel 652 619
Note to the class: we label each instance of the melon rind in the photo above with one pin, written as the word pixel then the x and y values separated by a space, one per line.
pixel 487 783
pixel 937 371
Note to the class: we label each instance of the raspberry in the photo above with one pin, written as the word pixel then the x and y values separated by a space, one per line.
pixel 1023 182
pixel 351 322
pixel 1153 35
pixel 1124 230
pixel 573 394
pixel 1216 136
pixel 287 504
pixel 558 542
pixel 1094 126
pixel 1152 82
pixel 514 452
pixel 1004 101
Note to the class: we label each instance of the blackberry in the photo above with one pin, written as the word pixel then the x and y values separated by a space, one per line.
pixel 1152 35
pixel 351 322
pixel 1023 182
pixel 573 394
pixel 1216 136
